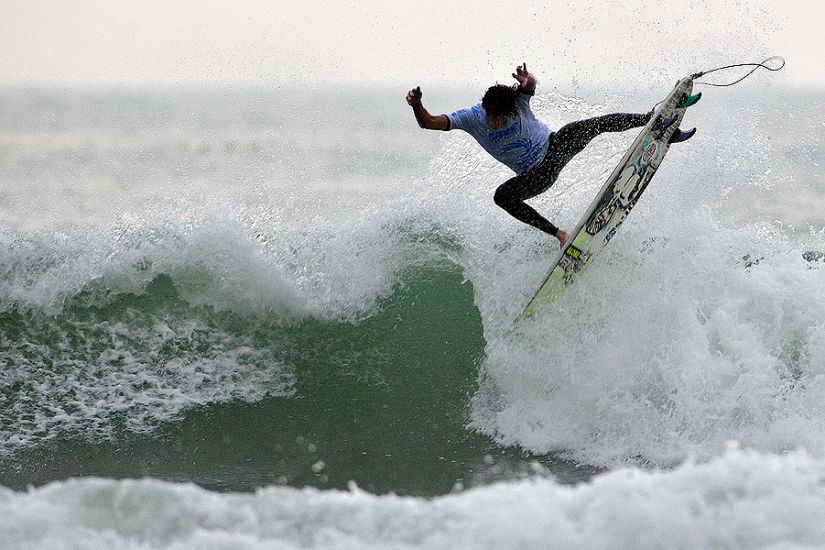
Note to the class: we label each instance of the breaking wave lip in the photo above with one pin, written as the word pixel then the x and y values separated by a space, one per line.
pixel 214 263
pixel 250 260
pixel 742 499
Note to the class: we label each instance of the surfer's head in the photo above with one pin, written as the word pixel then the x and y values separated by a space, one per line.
pixel 499 103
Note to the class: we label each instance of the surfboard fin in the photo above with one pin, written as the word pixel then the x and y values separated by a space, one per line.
pixel 664 124
pixel 690 100
pixel 680 135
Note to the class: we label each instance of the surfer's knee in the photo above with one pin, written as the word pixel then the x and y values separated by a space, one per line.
pixel 503 197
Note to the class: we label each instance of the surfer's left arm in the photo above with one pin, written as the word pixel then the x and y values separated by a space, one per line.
pixel 526 81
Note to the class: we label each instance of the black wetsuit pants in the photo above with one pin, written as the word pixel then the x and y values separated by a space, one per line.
pixel 562 146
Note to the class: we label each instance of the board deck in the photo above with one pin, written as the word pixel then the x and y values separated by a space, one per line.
pixel 615 200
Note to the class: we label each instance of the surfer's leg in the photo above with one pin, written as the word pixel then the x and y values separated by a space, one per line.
pixel 564 145
pixel 572 138
pixel 511 196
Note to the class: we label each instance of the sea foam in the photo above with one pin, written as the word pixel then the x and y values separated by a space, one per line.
pixel 739 500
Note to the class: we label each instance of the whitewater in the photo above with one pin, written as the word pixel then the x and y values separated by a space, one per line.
pixel 270 325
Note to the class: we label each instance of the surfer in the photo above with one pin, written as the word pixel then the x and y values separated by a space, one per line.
pixel 505 126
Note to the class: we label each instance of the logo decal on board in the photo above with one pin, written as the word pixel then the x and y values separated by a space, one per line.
pixel 648 154
pixel 573 251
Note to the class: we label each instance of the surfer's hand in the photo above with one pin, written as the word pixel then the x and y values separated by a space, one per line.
pixel 562 236
pixel 414 95
pixel 525 79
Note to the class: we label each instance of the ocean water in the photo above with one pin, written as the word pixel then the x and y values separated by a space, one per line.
pixel 288 318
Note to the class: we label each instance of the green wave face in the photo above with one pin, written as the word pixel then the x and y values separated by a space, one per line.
pixel 148 384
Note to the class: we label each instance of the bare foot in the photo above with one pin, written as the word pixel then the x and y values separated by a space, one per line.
pixel 562 236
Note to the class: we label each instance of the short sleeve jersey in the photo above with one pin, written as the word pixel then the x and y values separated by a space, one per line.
pixel 520 143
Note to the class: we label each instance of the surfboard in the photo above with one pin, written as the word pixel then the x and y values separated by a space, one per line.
pixel 616 198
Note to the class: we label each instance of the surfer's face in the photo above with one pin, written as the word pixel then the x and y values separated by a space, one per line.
pixel 496 121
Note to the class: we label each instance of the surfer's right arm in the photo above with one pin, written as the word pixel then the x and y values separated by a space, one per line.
pixel 424 118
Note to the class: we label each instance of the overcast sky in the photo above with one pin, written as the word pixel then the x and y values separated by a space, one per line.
pixel 399 44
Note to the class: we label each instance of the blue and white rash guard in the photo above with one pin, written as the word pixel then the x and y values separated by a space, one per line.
pixel 520 143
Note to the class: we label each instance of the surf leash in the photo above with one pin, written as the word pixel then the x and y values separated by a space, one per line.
pixel 764 64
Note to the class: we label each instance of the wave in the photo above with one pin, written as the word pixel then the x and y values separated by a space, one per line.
pixel 739 500
pixel 690 330
pixel 100 348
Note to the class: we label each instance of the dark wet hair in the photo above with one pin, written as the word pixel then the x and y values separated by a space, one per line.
pixel 500 100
